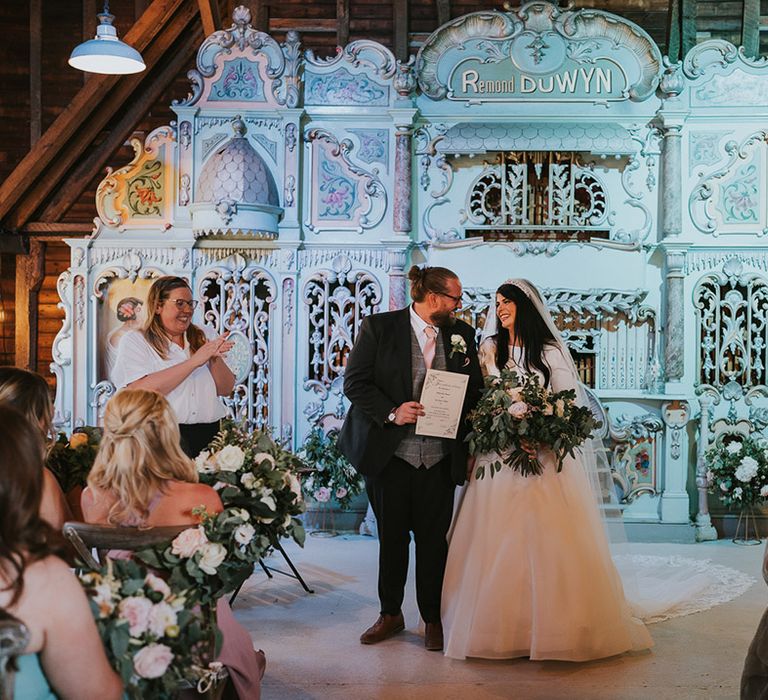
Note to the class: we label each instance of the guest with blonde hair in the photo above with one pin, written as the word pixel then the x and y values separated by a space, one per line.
pixel 141 478
pixel 64 654
pixel 28 393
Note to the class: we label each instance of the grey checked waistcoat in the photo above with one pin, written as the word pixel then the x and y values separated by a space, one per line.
pixel 416 449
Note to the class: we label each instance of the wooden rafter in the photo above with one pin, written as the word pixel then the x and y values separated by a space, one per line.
pixel 88 113
pixel 401 29
pixel 342 22
pixel 209 13
pixel 443 11
pixel 750 28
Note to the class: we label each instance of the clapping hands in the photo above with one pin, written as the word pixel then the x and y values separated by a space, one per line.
pixel 218 347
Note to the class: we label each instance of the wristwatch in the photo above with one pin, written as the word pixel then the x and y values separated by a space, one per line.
pixel 392 415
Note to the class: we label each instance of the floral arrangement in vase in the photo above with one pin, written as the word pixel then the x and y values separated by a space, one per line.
pixel 737 471
pixel 154 637
pixel 332 476
pixel 253 472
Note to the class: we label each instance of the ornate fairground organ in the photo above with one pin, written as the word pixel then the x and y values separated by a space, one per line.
pixel 293 192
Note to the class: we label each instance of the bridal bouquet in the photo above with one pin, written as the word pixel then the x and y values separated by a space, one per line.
pixel 153 637
pixel 211 559
pixel 253 472
pixel 332 476
pixel 738 471
pixel 516 418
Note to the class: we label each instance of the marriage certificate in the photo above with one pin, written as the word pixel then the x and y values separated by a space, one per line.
pixel 442 397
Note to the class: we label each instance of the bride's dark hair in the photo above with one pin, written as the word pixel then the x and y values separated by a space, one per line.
pixel 530 331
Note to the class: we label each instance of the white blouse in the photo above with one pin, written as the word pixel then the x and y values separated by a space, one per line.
pixel 193 401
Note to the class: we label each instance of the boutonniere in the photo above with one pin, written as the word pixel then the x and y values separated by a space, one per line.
pixel 458 345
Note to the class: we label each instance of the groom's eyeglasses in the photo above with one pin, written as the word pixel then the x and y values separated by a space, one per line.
pixel 455 300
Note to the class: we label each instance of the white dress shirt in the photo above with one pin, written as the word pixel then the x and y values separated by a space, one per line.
pixel 419 326
pixel 194 400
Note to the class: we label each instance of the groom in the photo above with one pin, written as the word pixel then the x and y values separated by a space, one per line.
pixel 410 479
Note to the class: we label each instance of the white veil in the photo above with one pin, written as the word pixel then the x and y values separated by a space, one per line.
pixel 592 454
pixel 656 587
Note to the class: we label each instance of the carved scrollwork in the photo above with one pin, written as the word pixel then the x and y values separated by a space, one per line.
pixel 337 301
pixel 240 298
pixel 634 454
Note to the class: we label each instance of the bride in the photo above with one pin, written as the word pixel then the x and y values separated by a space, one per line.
pixel 529 571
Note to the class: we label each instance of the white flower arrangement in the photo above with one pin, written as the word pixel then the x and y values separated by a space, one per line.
pixel 738 471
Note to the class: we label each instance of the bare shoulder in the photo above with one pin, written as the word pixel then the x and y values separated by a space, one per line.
pixel 192 495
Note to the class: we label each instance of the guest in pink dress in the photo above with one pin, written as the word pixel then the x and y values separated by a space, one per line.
pixel 142 478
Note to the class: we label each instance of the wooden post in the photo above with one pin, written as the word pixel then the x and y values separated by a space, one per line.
pixel 30 272
pixel 443 12
pixel 401 29
pixel 750 28
pixel 35 53
pixel 342 20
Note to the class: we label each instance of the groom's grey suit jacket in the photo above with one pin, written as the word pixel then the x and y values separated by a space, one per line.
pixel 379 377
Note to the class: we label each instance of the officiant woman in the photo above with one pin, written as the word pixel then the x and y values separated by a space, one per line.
pixel 180 360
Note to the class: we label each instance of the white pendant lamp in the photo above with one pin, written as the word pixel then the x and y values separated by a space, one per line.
pixel 105 53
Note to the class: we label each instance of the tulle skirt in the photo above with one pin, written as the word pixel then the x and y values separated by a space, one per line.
pixel 530 574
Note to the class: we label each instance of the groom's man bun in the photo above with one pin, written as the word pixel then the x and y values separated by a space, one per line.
pixel 429 279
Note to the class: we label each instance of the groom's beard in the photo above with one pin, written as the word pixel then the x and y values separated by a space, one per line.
pixel 443 319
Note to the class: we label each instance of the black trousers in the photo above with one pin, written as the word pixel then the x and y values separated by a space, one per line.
pixel 405 500
pixel 195 437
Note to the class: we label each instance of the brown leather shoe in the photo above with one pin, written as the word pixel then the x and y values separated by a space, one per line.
pixel 433 636
pixel 383 628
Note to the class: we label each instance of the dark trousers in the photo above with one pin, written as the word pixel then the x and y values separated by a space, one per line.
pixel 404 500
pixel 195 437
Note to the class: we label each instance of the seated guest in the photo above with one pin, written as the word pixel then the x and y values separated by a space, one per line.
pixel 142 478
pixel 65 657
pixel 176 358
pixel 28 393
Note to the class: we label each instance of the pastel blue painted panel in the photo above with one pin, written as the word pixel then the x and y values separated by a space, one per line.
pixel 344 88
pixel 240 80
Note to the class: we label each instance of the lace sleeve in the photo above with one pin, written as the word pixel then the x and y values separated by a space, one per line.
pixel 562 376
pixel 486 354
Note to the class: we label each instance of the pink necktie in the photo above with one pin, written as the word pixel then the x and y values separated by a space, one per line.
pixel 429 346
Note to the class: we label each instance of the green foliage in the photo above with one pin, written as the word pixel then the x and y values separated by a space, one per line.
pixel 254 472
pixel 737 471
pixel 153 634
pixel 212 559
pixel 71 458
pixel 517 418
pixel 332 476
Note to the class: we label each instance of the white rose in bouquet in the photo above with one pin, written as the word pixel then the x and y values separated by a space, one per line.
pixel 341 492
pixel 737 492
pixel 230 458
pixel 135 611
pixel 244 534
pixel 559 408
pixel 267 500
pixel 248 480
pixel 518 409
pixel 103 599
pixel 733 448
pixel 764 491
pixel 747 470
pixel 204 464
pixel 213 554
pixel 188 542
pixel 152 661
pixel 293 483
pixel 161 617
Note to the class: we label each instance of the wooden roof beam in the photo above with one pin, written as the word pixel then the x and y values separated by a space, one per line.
pixel 209 13
pixel 70 123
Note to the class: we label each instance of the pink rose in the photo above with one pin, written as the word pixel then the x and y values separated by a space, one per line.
pixel 136 612
pixel 341 492
pixel 161 617
pixel 152 661
pixel 518 409
pixel 188 542
pixel 323 494
pixel 157 584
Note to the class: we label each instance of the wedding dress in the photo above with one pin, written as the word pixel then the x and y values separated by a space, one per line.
pixel 529 569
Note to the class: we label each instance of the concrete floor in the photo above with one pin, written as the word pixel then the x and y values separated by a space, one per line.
pixel 313 652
